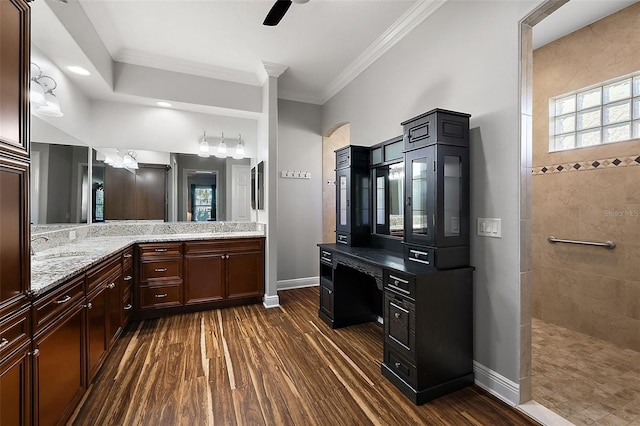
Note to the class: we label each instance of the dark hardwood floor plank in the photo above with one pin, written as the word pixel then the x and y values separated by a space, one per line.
pixel 251 366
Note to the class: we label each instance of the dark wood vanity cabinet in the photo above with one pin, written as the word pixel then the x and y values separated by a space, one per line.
pixel 159 277
pixel 225 272
pixel 127 287
pixel 15 387
pixel 59 348
pixel 437 189
pixel 352 196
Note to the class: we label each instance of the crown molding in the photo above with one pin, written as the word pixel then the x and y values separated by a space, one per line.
pixel 413 17
pixel 135 57
pixel 298 96
pixel 269 69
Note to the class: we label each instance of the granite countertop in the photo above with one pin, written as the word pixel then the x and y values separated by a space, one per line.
pixel 53 266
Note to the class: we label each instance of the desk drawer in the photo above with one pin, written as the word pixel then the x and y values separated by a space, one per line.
pixel 161 269
pixel 326 256
pixel 161 296
pixel 400 366
pixel 15 331
pixel 400 283
pixel 399 324
pixel 160 249
pixel 50 306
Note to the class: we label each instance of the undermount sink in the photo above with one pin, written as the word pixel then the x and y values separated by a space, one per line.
pixel 61 255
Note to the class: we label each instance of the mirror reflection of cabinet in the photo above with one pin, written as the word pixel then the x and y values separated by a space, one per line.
pixel 135 196
pixel 437 183
pixel 352 197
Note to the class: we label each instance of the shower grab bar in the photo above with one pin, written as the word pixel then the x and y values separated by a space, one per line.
pixel 608 244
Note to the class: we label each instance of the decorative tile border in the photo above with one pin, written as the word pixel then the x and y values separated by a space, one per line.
pixel 588 165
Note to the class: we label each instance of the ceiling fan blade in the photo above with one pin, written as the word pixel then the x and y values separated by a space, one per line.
pixel 277 12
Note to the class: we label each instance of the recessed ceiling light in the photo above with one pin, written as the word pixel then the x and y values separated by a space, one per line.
pixel 163 104
pixel 78 70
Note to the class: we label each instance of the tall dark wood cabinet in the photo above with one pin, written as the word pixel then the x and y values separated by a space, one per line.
pixel 352 196
pixel 437 189
pixel 15 333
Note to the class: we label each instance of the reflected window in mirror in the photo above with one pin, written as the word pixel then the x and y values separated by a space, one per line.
pixel 388 199
pixel 203 199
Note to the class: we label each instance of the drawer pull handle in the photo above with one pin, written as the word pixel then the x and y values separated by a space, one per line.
pixel 126 255
pixel 89 305
pixel 396 279
pixel 161 250
pixel 36 352
pixel 65 299
pixel 160 296
pixel 401 290
pixel 128 307
pixel 111 286
pixel 400 308
pixel 161 269
pixel 329 292
pixel 396 314
pixel 3 342
pixel 397 364
pixel 128 278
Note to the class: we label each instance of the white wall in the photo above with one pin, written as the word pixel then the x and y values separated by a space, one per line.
pixel 299 200
pixel 464 57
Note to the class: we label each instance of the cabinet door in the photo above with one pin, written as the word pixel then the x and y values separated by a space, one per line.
pixel 343 200
pixel 204 278
pixel 97 340
pixel 245 275
pixel 15 388
pixel 452 200
pixel 14 77
pixel 14 228
pixel 59 377
pixel 119 194
pixel 419 200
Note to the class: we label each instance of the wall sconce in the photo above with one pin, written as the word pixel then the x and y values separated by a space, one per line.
pixel 203 150
pixel 239 152
pixel 41 93
pixel 221 151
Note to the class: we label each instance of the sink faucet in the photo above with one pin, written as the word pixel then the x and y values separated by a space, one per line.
pixel 34 239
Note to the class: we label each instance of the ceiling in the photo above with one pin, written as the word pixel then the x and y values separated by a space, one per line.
pixel 323 44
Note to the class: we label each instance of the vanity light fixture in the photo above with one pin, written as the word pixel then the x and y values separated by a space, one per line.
pixel 123 160
pixel 41 93
pixel 221 151
pixel 203 150
pixel 239 152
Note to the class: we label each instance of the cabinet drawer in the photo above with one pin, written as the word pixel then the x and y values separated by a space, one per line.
pixel 15 331
pixel 106 271
pixel 343 238
pixel 400 366
pixel 160 296
pixel 399 324
pixel 400 283
pixel 161 269
pixel 343 158
pixel 239 245
pixel 422 255
pixel 50 306
pixel 326 256
pixel 326 299
pixel 160 249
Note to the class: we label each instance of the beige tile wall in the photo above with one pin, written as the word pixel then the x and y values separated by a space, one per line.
pixel 588 289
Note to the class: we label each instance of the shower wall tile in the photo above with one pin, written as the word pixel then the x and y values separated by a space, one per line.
pixel 632 299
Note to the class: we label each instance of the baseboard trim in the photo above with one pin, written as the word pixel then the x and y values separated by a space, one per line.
pixel 271 301
pixel 298 283
pixel 496 384
pixel 542 414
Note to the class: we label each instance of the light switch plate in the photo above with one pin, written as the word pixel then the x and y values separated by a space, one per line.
pixel 489 227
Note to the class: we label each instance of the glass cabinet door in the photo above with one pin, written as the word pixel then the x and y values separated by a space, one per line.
pixel 420 215
pixel 453 196
pixel 342 200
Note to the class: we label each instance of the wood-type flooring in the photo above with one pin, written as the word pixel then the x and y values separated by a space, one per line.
pixel 252 366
